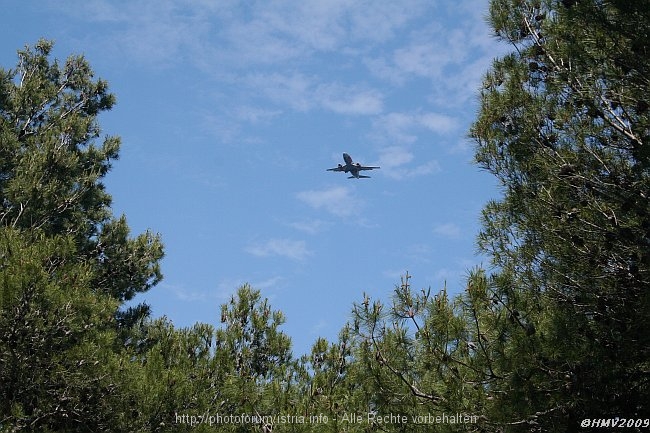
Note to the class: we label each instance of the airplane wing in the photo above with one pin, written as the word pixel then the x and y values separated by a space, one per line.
pixel 363 167
pixel 339 168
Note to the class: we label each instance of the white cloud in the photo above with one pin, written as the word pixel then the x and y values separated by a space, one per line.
pixel 394 161
pixel 429 167
pixel 244 34
pixel 418 253
pixel 185 294
pixel 394 274
pixel 462 146
pixel 436 122
pixel 281 41
pixel 445 275
pixel 452 54
pixel 268 283
pixel 309 226
pixel 154 33
pixel 255 114
pixel 296 250
pixel 396 127
pixel 338 200
pixel 302 92
pixel 405 127
pixel 380 67
pixel 448 230
pixel 292 89
pixel 319 327
pixel 349 100
pixel 220 126
pixel 424 57
pixel 282 30
pixel 395 156
pixel 421 59
pixel 227 286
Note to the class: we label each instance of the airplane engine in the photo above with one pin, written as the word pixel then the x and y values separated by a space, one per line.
pixel 340 166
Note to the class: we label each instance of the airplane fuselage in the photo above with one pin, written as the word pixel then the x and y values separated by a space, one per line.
pixel 351 167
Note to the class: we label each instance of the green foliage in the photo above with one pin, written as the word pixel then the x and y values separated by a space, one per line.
pixel 56 337
pixel 185 379
pixel 421 359
pixel 554 335
pixel 564 126
pixel 51 168
pixel 168 372
pixel 66 264
pixel 125 266
pixel 253 351
pixel 332 386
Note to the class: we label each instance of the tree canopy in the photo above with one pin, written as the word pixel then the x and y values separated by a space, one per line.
pixel 552 334
pixel 564 127
pixel 68 264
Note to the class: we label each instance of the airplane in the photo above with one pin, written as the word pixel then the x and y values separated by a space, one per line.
pixel 352 168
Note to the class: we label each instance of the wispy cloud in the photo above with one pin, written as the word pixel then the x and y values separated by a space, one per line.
pixel 309 226
pixel 185 294
pixel 278 31
pixel 319 327
pixel 270 55
pixel 289 89
pixel 267 283
pixel 349 99
pixel 228 285
pixel 244 34
pixel 155 33
pixel 451 54
pixel 221 292
pixel 252 114
pixel 405 127
pixel 302 92
pixel 448 230
pixel 292 249
pixel 395 162
pixel 338 200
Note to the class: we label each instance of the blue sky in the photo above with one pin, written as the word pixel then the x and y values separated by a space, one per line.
pixel 231 111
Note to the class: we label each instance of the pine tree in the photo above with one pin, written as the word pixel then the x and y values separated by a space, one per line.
pixel 66 263
pixel 424 357
pixel 51 168
pixel 333 388
pixel 169 378
pixel 556 334
pixel 564 125
pixel 56 339
pixel 255 358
